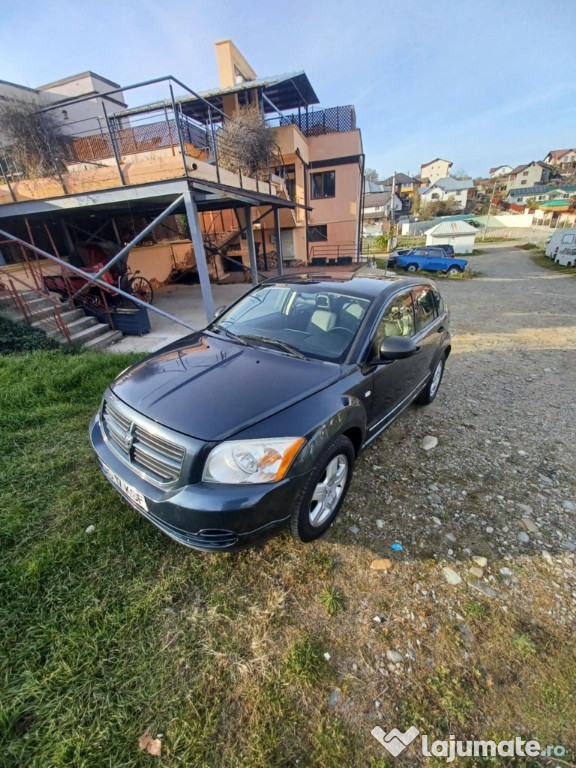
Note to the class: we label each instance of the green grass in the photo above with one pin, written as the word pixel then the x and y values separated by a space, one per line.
pixel 106 635
pixel 332 599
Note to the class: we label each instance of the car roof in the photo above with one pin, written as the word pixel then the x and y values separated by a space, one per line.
pixel 369 285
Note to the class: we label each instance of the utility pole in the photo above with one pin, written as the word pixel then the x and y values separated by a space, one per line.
pixel 392 211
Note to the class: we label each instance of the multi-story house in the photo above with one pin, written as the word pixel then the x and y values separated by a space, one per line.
pixel 563 159
pixel 529 175
pixel 448 189
pixel 115 169
pixel 434 170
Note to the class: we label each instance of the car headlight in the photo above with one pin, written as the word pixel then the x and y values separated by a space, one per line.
pixel 251 461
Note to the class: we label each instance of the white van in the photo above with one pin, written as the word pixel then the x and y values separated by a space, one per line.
pixel 562 247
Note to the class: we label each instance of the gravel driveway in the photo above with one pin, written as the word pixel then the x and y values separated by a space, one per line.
pixel 505 422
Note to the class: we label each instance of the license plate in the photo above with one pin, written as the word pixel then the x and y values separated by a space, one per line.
pixel 133 496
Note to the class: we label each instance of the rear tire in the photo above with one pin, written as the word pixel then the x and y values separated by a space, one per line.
pixel 412 268
pixel 430 391
pixel 324 492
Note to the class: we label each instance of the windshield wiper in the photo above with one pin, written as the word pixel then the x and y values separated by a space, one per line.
pixel 226 332
pixel 289 348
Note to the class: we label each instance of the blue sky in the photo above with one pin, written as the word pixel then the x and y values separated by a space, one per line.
pixel 480 83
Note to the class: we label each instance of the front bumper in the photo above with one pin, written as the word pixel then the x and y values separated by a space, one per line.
pixel 206 516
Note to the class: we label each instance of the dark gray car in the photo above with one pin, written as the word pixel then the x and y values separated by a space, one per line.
pixel 253 424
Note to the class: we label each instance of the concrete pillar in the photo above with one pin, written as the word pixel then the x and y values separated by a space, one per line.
pixel 251 245
pixel 199 254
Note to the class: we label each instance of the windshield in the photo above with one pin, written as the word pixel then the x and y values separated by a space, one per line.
pixel 308 320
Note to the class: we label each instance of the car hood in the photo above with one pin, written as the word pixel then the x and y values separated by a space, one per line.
pixel 210 388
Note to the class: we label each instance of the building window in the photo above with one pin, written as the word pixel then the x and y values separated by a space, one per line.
pixel 523 181
pixel 324 184
pixel 524 173
pixel 318 234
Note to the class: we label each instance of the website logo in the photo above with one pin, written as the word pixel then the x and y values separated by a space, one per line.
pixel 395 741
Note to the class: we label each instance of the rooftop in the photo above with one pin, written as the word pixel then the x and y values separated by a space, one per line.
pixel 453 228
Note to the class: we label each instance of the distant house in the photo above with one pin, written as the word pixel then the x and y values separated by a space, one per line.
pixel 565 159
pixel 529 175
pixel 377 209
pixel 446 189
pixel 459 234
pixel 435 169
pixel 541 194
pixel 500 170
pixel 404 184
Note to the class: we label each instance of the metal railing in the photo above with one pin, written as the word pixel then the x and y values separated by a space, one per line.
pixel 54 322
pixel 160 126
pixel 319 122
pixel 322 253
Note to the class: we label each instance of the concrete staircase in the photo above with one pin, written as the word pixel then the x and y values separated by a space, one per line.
pixel 85 331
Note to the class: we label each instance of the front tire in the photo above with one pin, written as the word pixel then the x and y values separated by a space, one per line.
pixel 320 500
pixel 454 270
pixel 430 391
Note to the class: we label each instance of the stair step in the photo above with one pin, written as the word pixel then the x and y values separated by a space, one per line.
pixel 110 337
pixel 38 303
pixel 81 337
pixel 67 317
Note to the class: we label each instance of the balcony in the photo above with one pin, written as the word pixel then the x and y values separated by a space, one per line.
pixel 319 122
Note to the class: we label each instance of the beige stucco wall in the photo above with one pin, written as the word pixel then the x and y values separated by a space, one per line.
pixel 439 169
pixel 229 58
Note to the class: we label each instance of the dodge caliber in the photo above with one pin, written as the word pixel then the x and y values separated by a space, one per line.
pixel 253 424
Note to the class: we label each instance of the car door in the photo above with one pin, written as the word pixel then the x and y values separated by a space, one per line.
pixel 436 260
pixel 392 381
pixel 428 328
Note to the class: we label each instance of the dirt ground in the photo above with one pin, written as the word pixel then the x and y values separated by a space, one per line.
pixel 499 485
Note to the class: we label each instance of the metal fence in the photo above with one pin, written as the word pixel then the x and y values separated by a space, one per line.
pixel 320 122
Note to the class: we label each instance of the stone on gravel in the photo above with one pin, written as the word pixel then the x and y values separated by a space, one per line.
pixel 477 571
pixel 334 698
pixel 484 588
pixel 380 524
pixel 429 442
pixel 547 556
pixel 481 561
pixel 530 525
pixel 523 537
pixel 451 576
pixel 436 520
pixel 380 564
pixel 451 537
pixel 435 499
pixel 506 571
pixel 489 529
pixel 354 529
pixel 525 508
pixel 569 505
pixel 394 656
pixel 90 529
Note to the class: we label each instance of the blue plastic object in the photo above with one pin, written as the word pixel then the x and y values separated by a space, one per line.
pixel 397 547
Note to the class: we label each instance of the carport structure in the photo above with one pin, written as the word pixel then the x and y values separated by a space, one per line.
pixel 152 201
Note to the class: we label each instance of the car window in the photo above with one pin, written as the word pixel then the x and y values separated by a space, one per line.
pixel 258 304
pixel 397 320
pixel 567 239
pixel 439 301
pixel 425 306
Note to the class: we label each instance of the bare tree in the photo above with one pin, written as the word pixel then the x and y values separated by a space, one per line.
pixel 31 141
pixel 246 143
pixel 371 175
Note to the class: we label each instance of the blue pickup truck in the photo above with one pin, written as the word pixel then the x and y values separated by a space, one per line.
pixel 432 260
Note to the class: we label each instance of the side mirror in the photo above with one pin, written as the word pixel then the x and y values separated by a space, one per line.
pixel 397 348
pixel 219 311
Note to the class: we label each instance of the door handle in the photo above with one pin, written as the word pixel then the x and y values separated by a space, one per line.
pixel 441 329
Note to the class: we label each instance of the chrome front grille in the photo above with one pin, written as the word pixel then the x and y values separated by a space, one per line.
pixel 156 457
